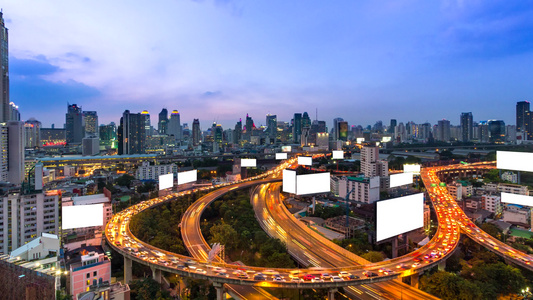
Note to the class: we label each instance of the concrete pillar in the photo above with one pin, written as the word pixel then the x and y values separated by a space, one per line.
pixel 127 270
pixel 156 274
pixel 219 287
pixel 442 265
pixel 331 293
pixel 414 280
pixel 395 247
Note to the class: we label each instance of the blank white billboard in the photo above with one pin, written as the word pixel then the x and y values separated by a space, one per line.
pixel 313 183
pixel 401 179
pixel 399 215
pixel 289 181
pixel 248 162
pixel 360 140
pixel 80 216
pixel 517 199
pixel 305 160
pixel 516 161
pixel 415 169
pixel 286 148
pixel 187 176
pixel 281 155
pixel 386 139
pixel 338 154
pixel 166 181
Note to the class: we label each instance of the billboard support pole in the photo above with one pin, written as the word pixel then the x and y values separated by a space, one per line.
pixel 348 212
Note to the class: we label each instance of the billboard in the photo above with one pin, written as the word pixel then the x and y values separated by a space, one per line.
pixel 166 181
pixel 80 216
pixel 248 162
pixel 399 215
pixel 289 181
pixel 386 139
pixel 187 176
pixel 517 199
pixel 360 140
pixel 338 154
pixel 401 179
pixel 305 160
pixel 313 183
pixel 415 169
pixel 516 161
pixel 281 155
pixel 286 148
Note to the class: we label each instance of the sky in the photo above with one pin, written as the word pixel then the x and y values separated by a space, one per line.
pixel 218 60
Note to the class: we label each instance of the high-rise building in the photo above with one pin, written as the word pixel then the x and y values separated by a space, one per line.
pixel 237 133
pixel 74 124
pixel 90 119
pixel 15 152
pixel 4 69
pixel 342 130
pixel 108 136
pixel 467 127
pixel 496 131
pixel 272 126
pixel 147 125
pixel 335 128
pixel 218 133
pixel 131 133
pixel 162 126
pixel 306 121
pixel 444 130
pixel 297 128
pixel 32 132
pixel 196 133
pixel 522 109
pixel 174 125
pixel 14 114
pixel 371 166
pixel 392 126
pixel 483 131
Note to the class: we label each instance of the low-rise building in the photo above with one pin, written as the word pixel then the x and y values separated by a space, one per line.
pixel 507 188
pixel 517 215
pixel 460 189
pixel 510 176
pixel 152 172
pixel 365 190
pixel 88 267
pixel 492 203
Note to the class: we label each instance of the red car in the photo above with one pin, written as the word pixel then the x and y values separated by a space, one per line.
pixel 308 277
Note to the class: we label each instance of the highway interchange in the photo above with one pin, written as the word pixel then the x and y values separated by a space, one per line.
pixel 330 258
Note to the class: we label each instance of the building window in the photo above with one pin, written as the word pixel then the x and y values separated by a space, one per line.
pixel 94 274
pixel 88 276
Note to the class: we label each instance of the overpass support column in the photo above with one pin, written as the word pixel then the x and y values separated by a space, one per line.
pixel 220 290
pixel 395 247
pixel 331 293
pixel 127 270
pixel 442 265
pixel 414 280
pixel 156 274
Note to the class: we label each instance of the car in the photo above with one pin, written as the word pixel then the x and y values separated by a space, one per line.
pixel 308 277
pixel 344 274
pixel 278 278
pixel 325 276
pixel 353 277
pixel 242 276
pixel 259 276
pixel 201 271
pixel 370 274
pixel 385 271
pixel 336 278
pixel 219 270
pixel 296 279
pixel 416 264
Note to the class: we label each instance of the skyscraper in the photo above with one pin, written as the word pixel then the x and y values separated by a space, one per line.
pixel 174 125
pixel 335 128
pixel 467 127
pixel 162 126
pixel 237 134
pixel 90 119
pixel 444 130
pixel 272 125
pixel 392 126
pixel 297 127
pixel 15 152
pixel 32 132
pixel 74 124
pixel 522 108
pixel 4 69
pixel 147 124
pixel 196 133
pixel 496 131
pixel 131 133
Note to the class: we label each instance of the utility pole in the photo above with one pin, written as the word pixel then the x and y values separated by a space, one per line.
pixel 348 211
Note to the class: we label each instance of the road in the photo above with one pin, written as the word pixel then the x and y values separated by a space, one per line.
pixel 311 249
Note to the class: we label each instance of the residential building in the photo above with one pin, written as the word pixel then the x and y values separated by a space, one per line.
pixel 371 165
pixel 196 132
pixel 510 176
pixel 174 126
pixel 467 127
pixel 32 133
pixel 443 130
pixel 152 172
pixel 460 189
pixel 132 133
pixel 88 267
pixel 4 72
pixel 492 203
pixel 507 188
pixel 365 189
pixel 522 109
pixel 517 215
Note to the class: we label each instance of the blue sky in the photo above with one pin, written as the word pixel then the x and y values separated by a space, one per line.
pixel 220 59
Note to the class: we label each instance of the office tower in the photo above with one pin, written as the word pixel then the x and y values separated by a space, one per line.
pixel 217 133
pixel 162 126
pixel 14 114
pixel 483 131
pixel 306 121
pixel 74 124
pixel 147 125
pixel 108 136
pixel 371 166
pixel 496 130
pixel 90 119
pixel 196 133
pixel 131 133
pixel 296 127
pixel 272 126
pixel 174 125
pixel 4 66
pixel 335 128
pixel 522 108
pixel 237 133
pixel 342 130
pixel 90 145
pixel 15 152
pixel 32 132
pixel 19 229
pixel 467 127
pixel 392 126
pixel 322 140
pixel 378 127
pixel 400 133
pixel 444 130
pixel 249 125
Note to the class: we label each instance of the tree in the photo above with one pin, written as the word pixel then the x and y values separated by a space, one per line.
pixel 373 256
pixel 125 180
pixel 493 230
pixel 147 289
pixel 449 286
pixel 497 278
pixel 225 235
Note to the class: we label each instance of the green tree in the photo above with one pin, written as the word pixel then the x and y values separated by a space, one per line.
pixel 492 176
pixel 373 256
pixel 147 289
pixel 497 278
pixel 125 180
pixel 449 286
pixel 225 235
pixel 492 230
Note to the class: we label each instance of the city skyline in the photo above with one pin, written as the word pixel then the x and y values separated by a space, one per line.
pixel 219 60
